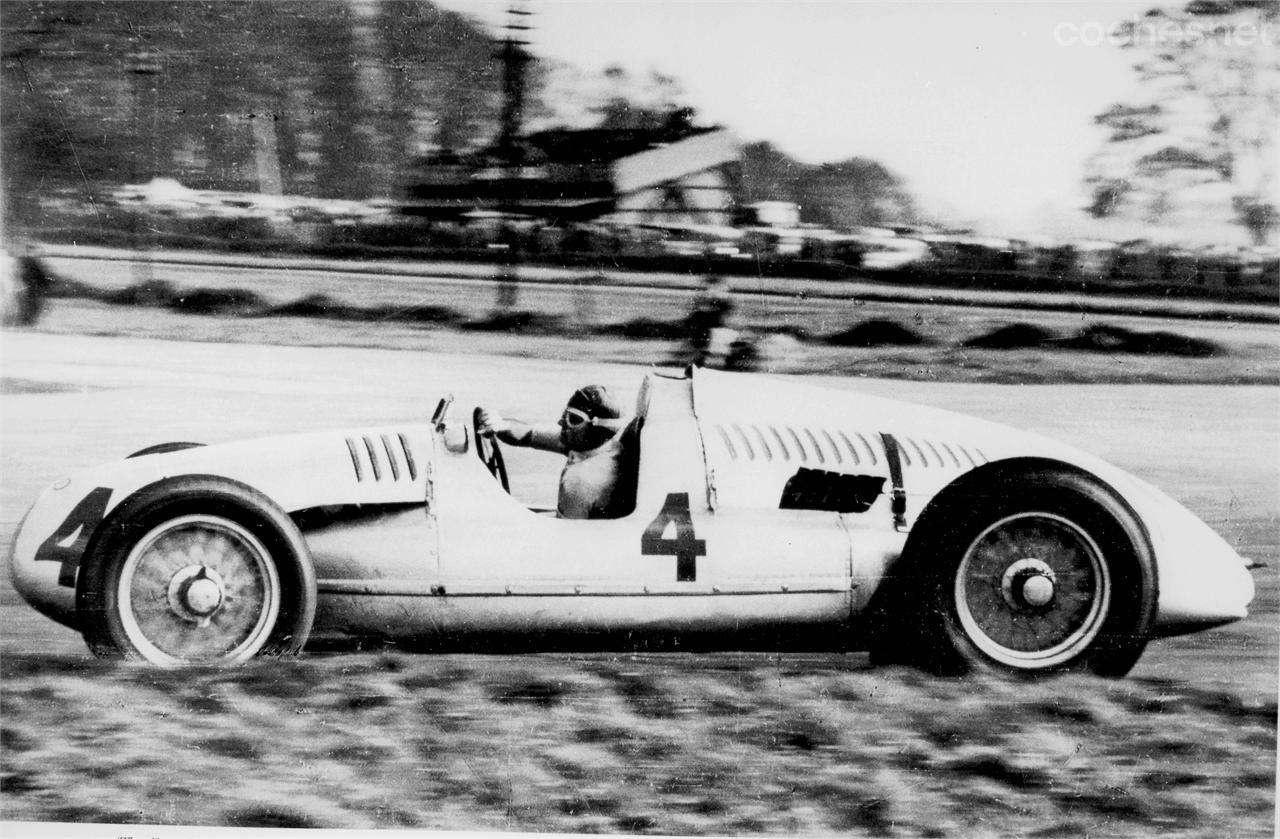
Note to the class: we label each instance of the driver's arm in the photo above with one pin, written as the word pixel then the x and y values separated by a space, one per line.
pixel 516 433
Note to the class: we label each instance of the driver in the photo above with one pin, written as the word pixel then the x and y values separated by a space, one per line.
pixel 587 434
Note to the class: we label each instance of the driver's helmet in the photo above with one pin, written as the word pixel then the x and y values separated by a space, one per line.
pixel 590 418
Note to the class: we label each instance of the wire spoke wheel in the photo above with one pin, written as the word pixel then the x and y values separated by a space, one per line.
pixel 1022 567
pixel 198 588
pixel 1033 590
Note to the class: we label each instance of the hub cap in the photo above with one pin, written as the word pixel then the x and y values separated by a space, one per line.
pixel 1028 584
pixel 198 588
pixel 196 592
pixel 1033 590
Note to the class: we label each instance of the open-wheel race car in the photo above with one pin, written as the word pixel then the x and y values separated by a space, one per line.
pixel 762 507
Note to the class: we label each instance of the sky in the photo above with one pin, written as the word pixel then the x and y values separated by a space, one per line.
pixel 984 107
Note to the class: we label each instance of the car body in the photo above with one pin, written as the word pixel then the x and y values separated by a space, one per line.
pixel 761 505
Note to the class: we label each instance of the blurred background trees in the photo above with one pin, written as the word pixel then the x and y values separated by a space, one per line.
pixel 1199 145
pixel 341 99
pixel 340 96
pixel 851 193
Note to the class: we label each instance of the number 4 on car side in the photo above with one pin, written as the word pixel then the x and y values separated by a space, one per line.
pixel 763 509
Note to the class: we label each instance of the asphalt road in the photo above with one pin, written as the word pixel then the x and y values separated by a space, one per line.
pixel 70 401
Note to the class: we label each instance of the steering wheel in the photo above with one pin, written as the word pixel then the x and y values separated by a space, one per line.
pixel 490 454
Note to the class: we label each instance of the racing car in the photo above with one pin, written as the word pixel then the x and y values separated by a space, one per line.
pixel 760 505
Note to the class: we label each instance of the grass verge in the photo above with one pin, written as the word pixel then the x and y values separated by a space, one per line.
pixel 677 744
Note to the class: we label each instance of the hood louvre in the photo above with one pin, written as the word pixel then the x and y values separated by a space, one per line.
pixel 355 459
pixel 391 457
pixel 408 457
pixel 373 459
pixel 379 457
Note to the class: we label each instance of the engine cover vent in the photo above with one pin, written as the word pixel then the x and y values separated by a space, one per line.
pixel 382 457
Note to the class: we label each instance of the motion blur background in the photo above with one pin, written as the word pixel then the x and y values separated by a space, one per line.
pixel 1086 145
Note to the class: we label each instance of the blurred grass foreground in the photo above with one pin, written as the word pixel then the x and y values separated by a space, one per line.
pixel 677 745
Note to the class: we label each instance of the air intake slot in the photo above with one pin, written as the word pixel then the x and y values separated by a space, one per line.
pixel 764 444
pixel 728 444
pixel 844 438
pixel 818 489
pixel 795 438
pixel 373 459
pixel 871 452
pixel 924 462
pixel 817 447
pixel 368 453
pixel 355 459
pixel 742 435
pixel 831 442
pixel 782 444
pixel 408 457
pixel 391 457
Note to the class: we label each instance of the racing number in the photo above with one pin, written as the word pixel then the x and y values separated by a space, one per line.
pixel 685 547
pixel 81 523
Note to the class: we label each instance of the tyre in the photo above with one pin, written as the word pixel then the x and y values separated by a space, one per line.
pixel 196 569
pixel 1022 571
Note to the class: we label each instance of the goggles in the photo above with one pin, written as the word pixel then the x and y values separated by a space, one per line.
pixel 575 418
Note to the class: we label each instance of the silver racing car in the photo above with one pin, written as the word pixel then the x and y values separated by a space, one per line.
pixel 763 508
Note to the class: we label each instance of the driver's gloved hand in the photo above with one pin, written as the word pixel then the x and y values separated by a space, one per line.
pixel 491 422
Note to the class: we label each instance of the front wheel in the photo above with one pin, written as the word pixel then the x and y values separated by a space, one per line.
pixel 1032 591
pixel 1024 572
pixel 196 570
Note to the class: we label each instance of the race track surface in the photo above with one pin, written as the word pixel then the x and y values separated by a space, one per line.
pixel 70 401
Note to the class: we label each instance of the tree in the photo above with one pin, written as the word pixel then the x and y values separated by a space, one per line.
pixel 649 104
pixel 851 193
pixel 57 130
pixel 1199 147
pixel 344 95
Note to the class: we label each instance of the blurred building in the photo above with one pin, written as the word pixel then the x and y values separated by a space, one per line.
pixel 670 176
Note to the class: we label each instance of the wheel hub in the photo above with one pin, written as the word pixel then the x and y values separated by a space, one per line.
pixel 196 592
pixel 1033 590
pixel 1029 584
pixel 198 588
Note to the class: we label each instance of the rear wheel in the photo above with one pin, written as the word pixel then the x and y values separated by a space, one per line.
pixel 1026 573
pixel 197 569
